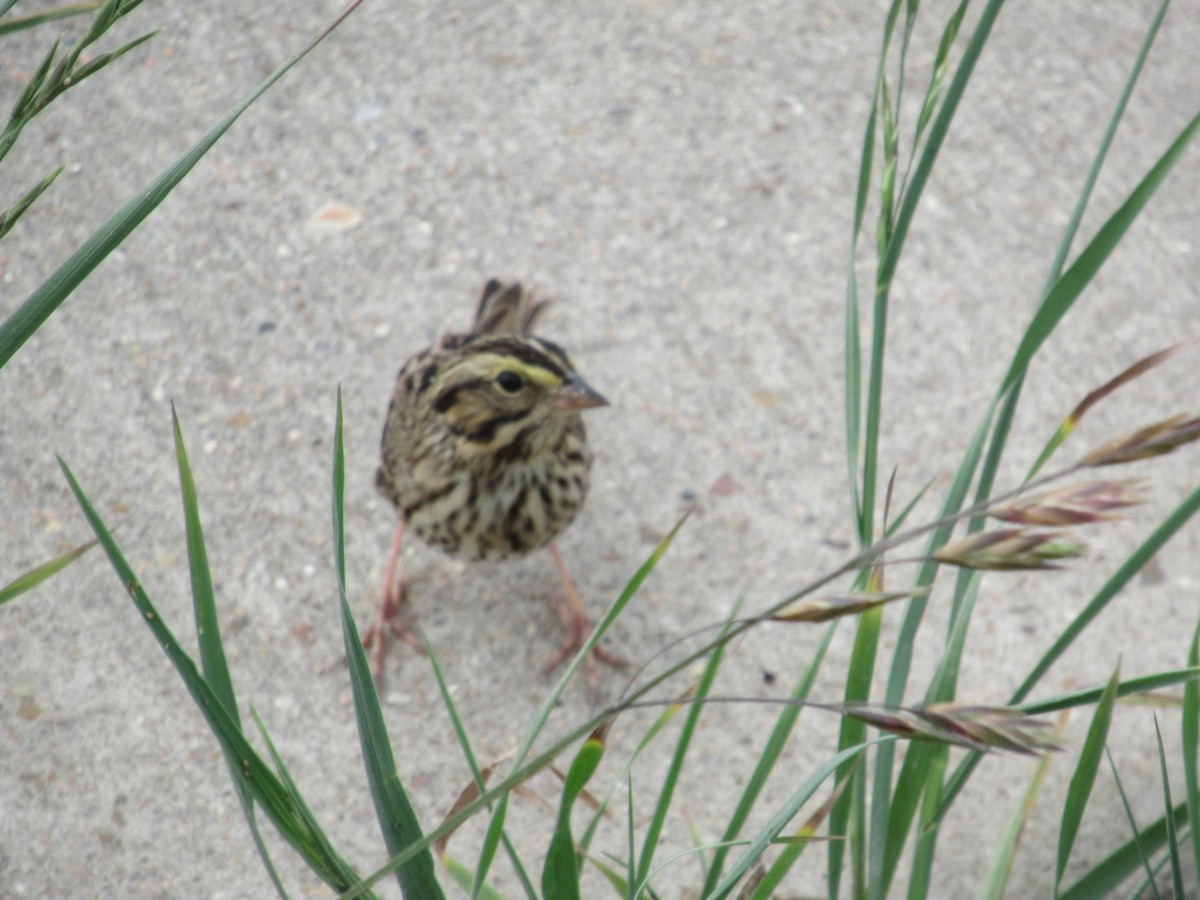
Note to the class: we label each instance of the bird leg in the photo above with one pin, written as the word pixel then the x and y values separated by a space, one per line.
pixel 374 639
pixel 575 621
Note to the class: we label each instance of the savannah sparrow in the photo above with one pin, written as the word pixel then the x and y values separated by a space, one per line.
pixel 484 453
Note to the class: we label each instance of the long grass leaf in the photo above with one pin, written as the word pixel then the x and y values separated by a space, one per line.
pixel 852 804
pixel 303 813
pixel 48 296
pixel 208 633
pixel 1132 565
pixel 1084 777
pixel 278 804
pixel 1143 684
pixel 1070 285
pixel 397 819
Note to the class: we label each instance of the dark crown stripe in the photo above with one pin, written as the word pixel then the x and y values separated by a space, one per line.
pixel 531 351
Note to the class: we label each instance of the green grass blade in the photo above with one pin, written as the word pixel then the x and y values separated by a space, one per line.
pixel 1172 835
pixel 1085 194
pixel 560 877
pixel 9 218
pixel 302 810
pixel 1156 681
pixel 1105 142
pixel 1084 777
pixel 208 627
pixel 18 23
pixel 771 752
pixel 31 579
pixel 1070 285
pixel 922 869
pixel 47 297
pixel 397 819
pixel 786 813
pixel 619 883
pixel 663 805
pixel 892 818
pixel 852 347
pixel 278 804
pixel 1107 875
pixel 852 732
pixel 1191 748
pixel 208 632
pixel 938 130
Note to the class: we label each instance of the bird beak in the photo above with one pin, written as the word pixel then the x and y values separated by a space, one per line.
pixel 575 394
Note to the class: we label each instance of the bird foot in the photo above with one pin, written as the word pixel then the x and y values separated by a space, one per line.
pixel 577 628
pixel 385 619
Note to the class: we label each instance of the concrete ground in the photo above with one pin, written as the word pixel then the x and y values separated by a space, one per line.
pixel 681 178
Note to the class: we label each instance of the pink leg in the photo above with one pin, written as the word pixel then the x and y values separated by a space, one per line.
pixel 374 639
pixel 575 622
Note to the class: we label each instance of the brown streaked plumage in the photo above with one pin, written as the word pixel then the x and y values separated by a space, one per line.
pixel 484 452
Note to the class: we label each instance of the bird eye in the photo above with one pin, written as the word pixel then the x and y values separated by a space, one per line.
pixel 510 382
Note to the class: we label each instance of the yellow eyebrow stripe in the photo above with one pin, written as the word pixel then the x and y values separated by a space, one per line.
pixel 492 364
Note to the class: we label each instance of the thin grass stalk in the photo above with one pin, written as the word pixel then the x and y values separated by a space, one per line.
pixel 1151 882
pixel 1172 835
